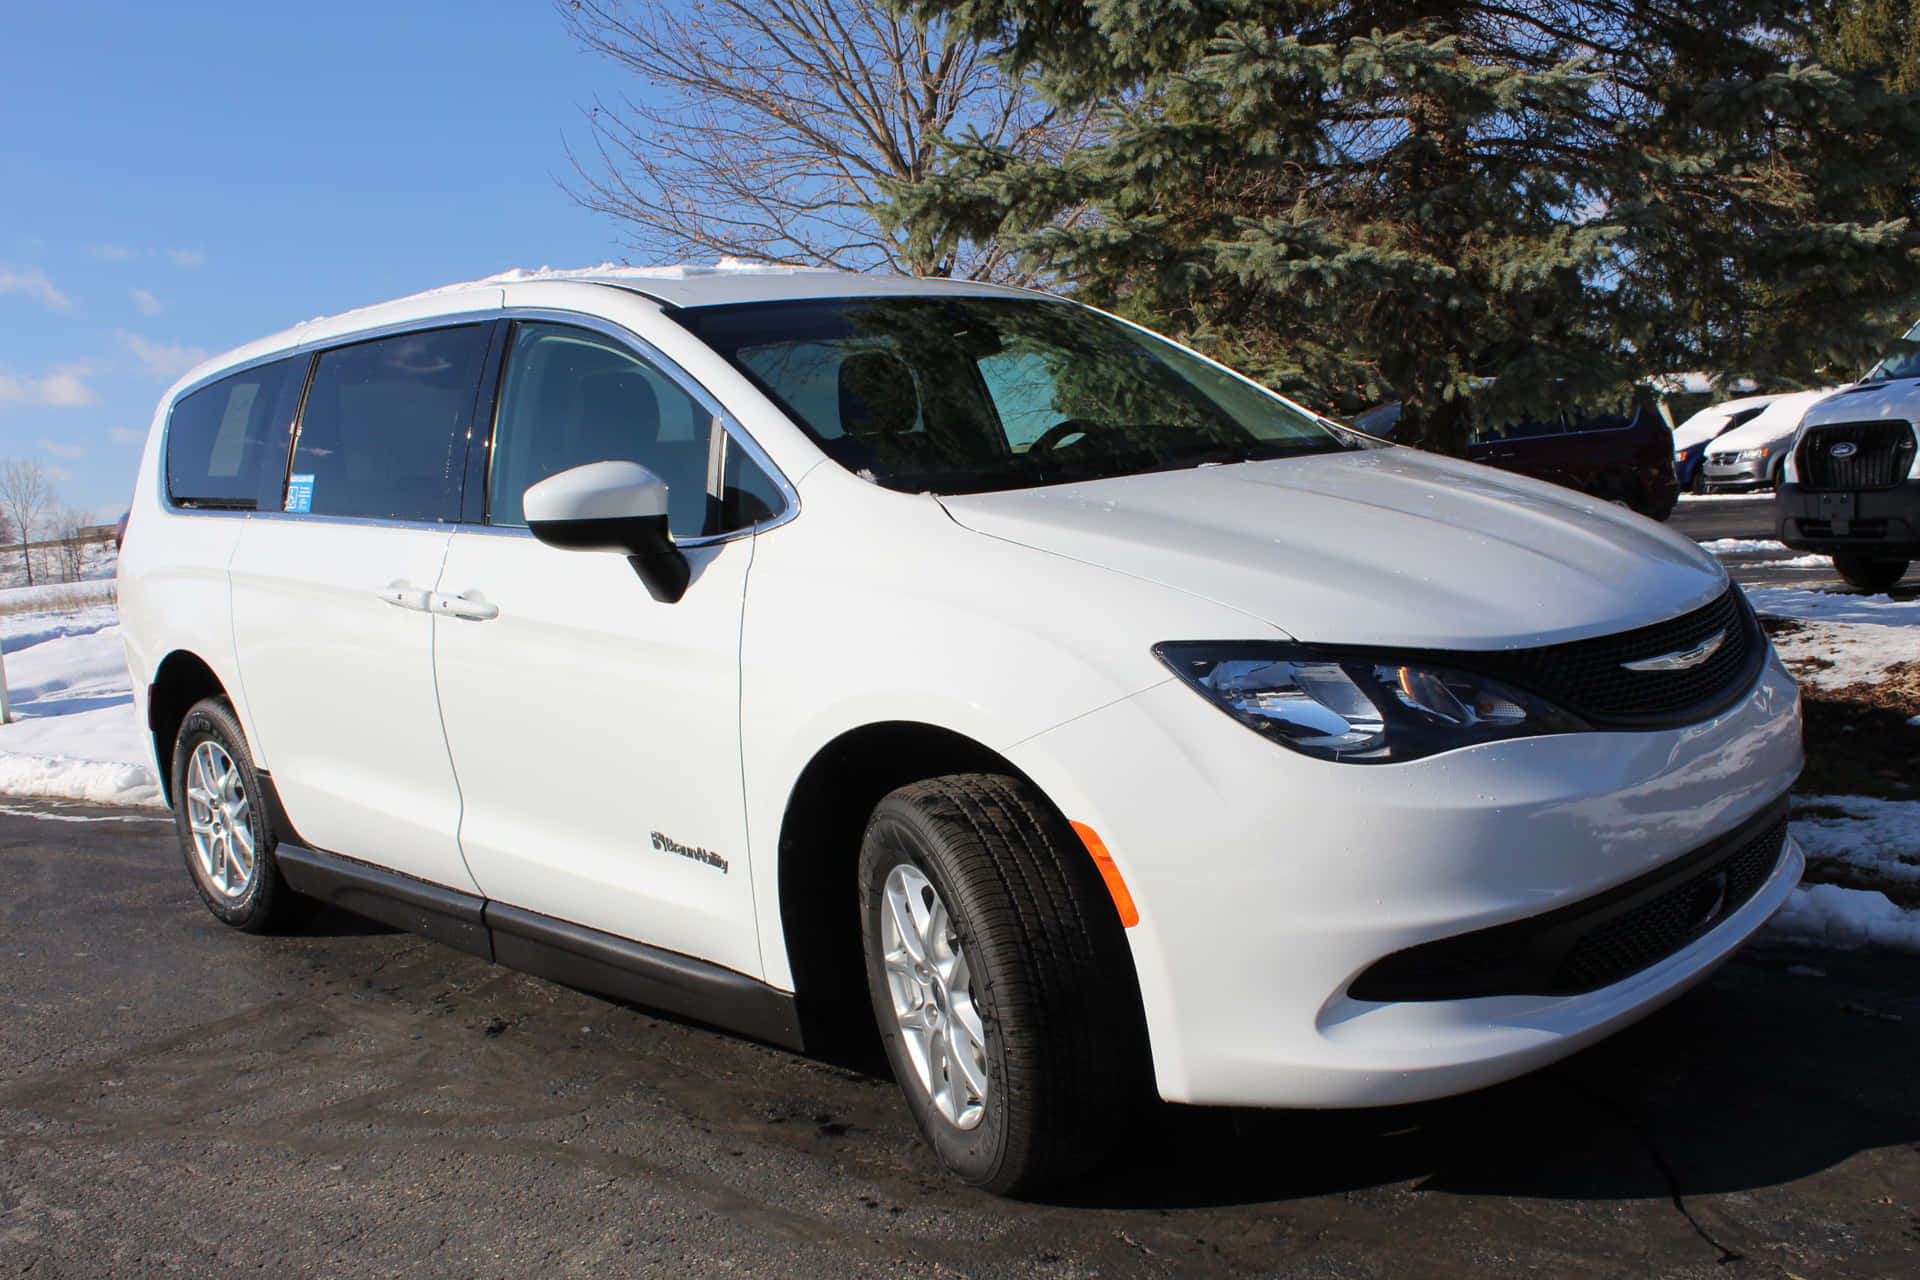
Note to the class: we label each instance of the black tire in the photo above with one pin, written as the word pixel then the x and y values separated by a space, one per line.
pixel 1868 573
pixel 1621 490
pixel 255 899
pixel 1063 1046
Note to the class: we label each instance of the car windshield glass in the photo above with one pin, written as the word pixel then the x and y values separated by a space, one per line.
pixel 1904 363
pixel 971 395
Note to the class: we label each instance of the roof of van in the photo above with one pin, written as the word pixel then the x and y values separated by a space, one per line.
pixel 686 285
pixel 729 281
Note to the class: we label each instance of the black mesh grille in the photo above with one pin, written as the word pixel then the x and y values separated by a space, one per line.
pixel 1589 678
pixel 1595 943
pixel 1657 929
pixel 1881 457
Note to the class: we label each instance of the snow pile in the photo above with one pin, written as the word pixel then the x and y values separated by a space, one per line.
pixel 75 735
pixel 1878 836
pixel 1828 915
pixel 1879 839
pixel 1856 637
pixel 1731 546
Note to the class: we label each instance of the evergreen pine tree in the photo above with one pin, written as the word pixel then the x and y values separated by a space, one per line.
pixel 1357 200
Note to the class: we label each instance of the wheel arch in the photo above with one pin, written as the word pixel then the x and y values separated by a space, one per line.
pixel 182 679
pixel 820 831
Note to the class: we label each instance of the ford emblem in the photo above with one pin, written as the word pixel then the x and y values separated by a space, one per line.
pixel 1845 449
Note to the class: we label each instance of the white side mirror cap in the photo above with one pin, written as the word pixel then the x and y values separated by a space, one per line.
pixel 597 491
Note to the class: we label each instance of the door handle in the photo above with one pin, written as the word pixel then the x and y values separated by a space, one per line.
pixel 470 605
pixel 401 593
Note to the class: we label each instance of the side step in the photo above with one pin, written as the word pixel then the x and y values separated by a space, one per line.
pixel 546 947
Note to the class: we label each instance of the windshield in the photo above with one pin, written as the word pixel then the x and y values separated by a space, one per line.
pixel 1901 364
pixel 971 395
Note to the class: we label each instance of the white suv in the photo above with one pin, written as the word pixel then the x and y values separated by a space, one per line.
pixel 798 651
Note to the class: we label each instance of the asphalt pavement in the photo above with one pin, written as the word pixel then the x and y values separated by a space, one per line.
pixel 177 1098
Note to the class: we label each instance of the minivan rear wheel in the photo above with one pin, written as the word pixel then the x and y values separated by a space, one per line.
pixel 218 812
pixel 1869 573
pixel 1000 981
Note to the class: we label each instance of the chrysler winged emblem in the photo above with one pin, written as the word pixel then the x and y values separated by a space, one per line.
pixel 1681 659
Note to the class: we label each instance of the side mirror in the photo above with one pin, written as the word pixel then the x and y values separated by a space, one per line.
pixel 611 506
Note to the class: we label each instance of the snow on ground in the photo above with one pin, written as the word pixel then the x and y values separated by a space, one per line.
pixel 75 734
pixel 1832 916
pixel 1860 636
pixel 1780 556
pixel 1729 546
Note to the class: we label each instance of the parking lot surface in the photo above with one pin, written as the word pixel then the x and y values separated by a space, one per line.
pixel 178 1098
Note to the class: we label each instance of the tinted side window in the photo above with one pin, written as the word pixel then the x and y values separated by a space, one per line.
pixel 227 443
pixel 571 396
pixel 384 431
pixel 749 495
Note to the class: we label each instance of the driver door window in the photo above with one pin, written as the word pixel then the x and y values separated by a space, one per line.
pixel 571 396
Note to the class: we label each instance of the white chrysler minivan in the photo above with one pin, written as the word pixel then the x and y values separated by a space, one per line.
pixel 805 652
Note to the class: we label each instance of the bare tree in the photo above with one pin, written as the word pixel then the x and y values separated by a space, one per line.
pixel 772 129
pixel 70 547
pixel 25 496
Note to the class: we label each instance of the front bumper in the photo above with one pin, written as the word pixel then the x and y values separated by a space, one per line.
pixel 1870 522
pixel 1268 883
pixel 1738 477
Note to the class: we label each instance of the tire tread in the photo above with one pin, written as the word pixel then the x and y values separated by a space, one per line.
pixel 1071 1080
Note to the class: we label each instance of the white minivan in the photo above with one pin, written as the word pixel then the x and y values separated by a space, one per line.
pixel 807 653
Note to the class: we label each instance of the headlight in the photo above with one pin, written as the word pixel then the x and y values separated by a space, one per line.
pixel 1357 708
pixel 1752 455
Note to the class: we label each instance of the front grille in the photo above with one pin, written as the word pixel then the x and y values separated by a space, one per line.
pixel 1882 455
pixel 1723 459
pixel 1595 943
pixel 1587 678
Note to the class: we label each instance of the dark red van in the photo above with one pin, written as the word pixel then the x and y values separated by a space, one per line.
pixel 1616 456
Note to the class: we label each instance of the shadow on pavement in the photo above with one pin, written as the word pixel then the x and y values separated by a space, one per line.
pixel 1760 1078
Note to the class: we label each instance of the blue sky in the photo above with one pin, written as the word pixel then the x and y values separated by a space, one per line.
pixel 178 178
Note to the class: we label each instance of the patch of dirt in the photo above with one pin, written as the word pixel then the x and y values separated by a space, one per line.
pixel 1858 739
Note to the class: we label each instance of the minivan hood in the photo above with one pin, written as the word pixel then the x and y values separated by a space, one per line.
pixel 1385 546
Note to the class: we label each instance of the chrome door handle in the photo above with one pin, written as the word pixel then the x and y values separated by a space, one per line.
pixel 406 596
pixel 470 605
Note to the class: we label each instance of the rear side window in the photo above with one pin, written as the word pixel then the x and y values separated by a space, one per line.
pixel 384 430
pixel 571 396
pixel 227 443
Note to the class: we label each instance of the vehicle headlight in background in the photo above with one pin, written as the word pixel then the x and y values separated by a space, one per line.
pixel 1358 709
pixel 1753 455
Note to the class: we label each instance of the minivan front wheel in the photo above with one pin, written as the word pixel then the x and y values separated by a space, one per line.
pixel 999 981
pixel 222 823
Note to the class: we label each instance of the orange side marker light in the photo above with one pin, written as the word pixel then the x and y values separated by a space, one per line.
pixel 1097 848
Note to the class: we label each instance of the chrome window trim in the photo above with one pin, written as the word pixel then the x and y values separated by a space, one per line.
pixel 737 435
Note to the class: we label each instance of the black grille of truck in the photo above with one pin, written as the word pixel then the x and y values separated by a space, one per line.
pixel 1881 456
pixel 1595 943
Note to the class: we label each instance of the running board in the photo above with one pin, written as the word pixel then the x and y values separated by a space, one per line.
pixel 546 947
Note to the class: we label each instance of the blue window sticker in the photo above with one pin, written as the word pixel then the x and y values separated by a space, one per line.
pixel 299 493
